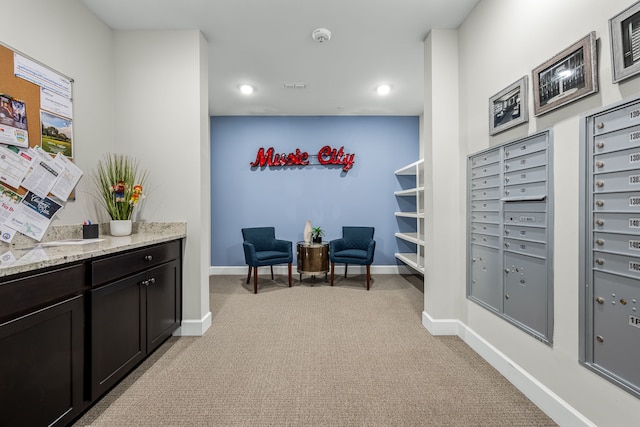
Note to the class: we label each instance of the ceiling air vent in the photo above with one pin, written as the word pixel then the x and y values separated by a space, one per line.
pixel 291 85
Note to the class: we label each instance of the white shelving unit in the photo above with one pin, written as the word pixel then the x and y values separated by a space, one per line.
pixel 414 259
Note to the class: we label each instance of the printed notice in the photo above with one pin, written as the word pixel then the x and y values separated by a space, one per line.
pixel 33 216
pixel 51 101
pixel 43 173
pixel 9 202
pixel 67 179
pixel 42 76
pixel 13 166
pixel 13 122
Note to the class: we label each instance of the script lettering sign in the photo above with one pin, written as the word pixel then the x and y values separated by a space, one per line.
pixel 326 156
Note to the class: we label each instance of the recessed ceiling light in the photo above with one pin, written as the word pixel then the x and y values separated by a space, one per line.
pixel 383 90
pixel 246 89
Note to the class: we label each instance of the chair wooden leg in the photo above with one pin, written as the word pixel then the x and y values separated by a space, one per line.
pixel 271 272
pixel 368 275
pixel 255 280
pixel 333 265
pixel 289 274
pixel 345 270
pixel 249 275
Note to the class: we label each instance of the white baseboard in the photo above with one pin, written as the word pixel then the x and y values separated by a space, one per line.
pixel 282 269
pixel 194 328
pixel 552 405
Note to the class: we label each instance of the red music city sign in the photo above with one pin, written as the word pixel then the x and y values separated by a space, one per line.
pixel 326 156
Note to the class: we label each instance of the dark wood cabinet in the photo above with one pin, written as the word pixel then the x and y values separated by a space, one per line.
pixel 71 332
pixel 42 348
pixel 135 306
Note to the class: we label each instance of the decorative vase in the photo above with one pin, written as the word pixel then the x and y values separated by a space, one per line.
pixel 307 232
pixel 120 227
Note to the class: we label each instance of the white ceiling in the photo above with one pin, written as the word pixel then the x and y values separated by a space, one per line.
pixel 268 42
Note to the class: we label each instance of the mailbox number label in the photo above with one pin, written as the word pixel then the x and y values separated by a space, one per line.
pixel 634 201
pixel 634 114
pixel 634 244
pixel 634 222
pixel 634 136
pixel 634 266
pixel 634 179
pixel 634 158
pixel 634 321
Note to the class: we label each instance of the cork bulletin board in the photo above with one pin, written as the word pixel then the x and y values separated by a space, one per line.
pixel 37 175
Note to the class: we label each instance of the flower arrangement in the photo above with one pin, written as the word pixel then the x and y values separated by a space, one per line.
pixel 120 182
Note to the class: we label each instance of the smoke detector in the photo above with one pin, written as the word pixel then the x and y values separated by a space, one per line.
pixel 321 35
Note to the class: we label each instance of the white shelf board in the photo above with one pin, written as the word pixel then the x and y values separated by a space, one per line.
pixel 410 260
pixel 410 237
pixel 409 169
pixel 411 214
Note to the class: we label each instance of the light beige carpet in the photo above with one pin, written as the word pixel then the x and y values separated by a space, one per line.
pixel 315 355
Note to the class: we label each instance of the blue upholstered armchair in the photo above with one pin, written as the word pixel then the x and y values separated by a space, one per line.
pixel 262 248
pixel 356 247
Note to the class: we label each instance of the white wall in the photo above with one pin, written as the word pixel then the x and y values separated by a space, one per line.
pixel 501 41
pixel 68 38
pixel 161 118
pixel 138 93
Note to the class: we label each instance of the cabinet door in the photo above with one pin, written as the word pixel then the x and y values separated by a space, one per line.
pixel 164 303
pixel 41 366
pixel 118 337
pixel 486 284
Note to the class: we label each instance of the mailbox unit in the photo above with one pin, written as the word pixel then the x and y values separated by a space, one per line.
pixel 509 229
pixel 610 243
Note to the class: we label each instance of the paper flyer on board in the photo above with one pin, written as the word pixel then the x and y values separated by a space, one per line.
pixel 14 166
pixel 57 134
pixel 42 76
pixel 43 173
pixel 51 101
pixel 9 202
pixel 33 216
pixel 13 122
pixel 68 178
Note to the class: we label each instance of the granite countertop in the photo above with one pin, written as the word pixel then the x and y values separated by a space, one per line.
pixel 64 244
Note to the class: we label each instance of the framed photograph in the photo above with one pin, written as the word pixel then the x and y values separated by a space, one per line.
pixel 570 75
pixel 509 107
pixel 624 32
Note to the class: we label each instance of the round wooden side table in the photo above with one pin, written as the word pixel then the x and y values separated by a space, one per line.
pixel 313 259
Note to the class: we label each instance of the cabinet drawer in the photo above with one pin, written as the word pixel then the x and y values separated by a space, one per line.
pixel 485 182
pixel 617 119
pixel 40 289
pixel 617 181
pixel 492 169
pixel 114 267
pixel 617 161
pixel 525 147
pixel 526 176
pixel 628 223
pixel 485 158
pixel 526 162
pixel 615 141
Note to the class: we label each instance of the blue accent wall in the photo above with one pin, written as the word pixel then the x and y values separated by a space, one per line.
pixel 285 197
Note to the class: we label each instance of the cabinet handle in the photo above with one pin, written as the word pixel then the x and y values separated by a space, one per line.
pixel 600 125
pixel 599 338
pixel 600 144
pixel 599 183
pixel 599 164
pixel 152 280
pixel 599 203
pixel 148 258
pixel 599 261
pixel 600 222
pixel 600 300
pixel 506 296
pixel 599 242
pixel 145 282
